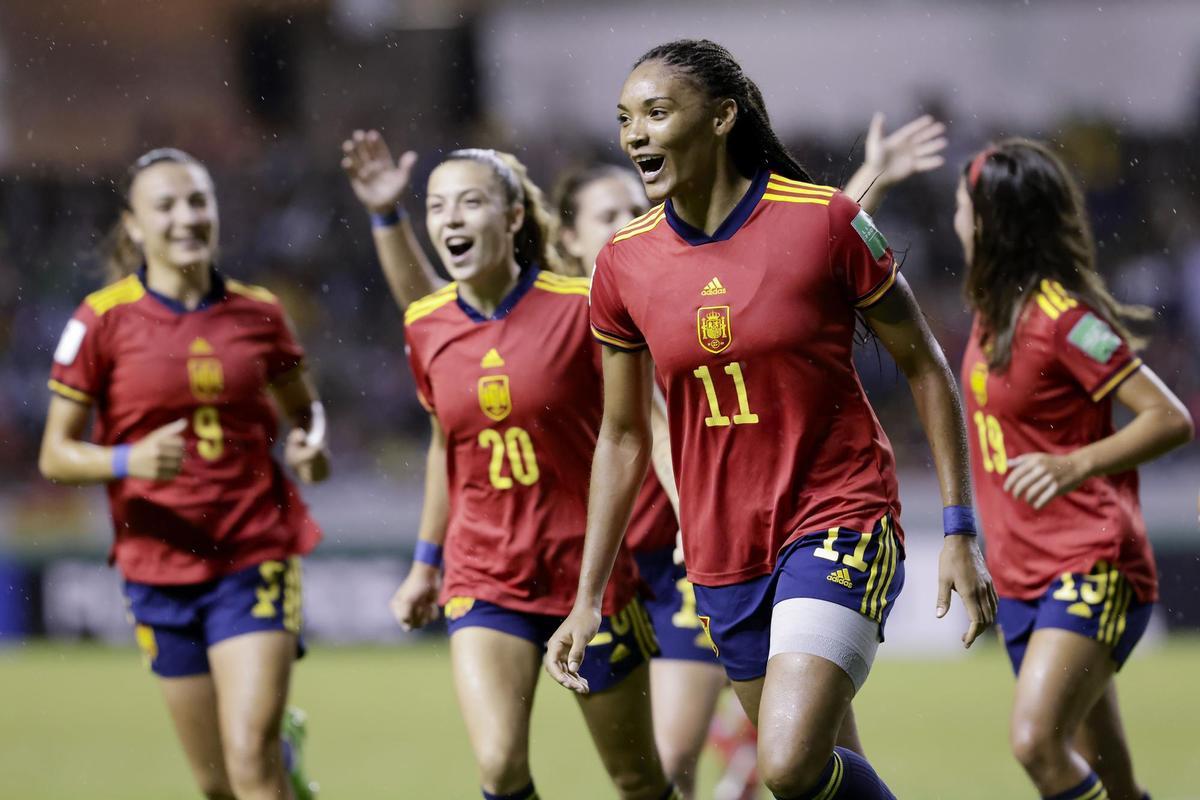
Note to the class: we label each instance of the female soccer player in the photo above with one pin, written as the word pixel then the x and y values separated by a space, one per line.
pixel 745 284
pixel 505 364
pixel 1057 485
pixel 177 361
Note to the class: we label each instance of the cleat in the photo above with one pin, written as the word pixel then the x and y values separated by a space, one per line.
pixel 294 731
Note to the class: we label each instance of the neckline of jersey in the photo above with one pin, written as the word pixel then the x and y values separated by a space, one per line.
pixel 732 223
pixel 524 284
pixel 216 293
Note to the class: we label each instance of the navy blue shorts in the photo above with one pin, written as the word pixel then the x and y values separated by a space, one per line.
pixel 624 642
pixel 861 571
pixel 1099 604
pixel 672 610
pixel 175 625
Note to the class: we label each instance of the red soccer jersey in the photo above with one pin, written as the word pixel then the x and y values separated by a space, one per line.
pixel 1054 397
pixel 752 335
pixel 143 361
pixel 519 399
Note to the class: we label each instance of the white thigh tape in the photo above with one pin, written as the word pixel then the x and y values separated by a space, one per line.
pixel 824 629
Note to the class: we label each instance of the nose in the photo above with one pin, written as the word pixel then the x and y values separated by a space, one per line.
pixel 189 215
pixel 635 134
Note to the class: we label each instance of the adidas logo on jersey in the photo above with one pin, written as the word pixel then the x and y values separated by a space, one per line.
pixel 841 576
pixel 492 359
pixel 713 287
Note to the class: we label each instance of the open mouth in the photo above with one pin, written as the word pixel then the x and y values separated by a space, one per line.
pixel 459 245
pixel 649 165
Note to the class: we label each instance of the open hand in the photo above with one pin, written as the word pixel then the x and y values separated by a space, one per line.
pixel 961 568
pixel 379 181
pixel 913 148
pixel 1038 478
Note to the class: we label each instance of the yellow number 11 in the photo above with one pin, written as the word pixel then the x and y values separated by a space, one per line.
pixel 715 418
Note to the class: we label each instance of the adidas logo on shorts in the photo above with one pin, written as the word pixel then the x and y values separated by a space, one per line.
pixel 841 576
pixel 713 287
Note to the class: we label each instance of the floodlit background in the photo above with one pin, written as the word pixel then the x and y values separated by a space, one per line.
pixel 265 91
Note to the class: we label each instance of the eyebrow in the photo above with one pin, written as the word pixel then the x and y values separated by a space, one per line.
pixel 649 100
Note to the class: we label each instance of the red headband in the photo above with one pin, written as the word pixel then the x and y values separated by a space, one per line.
pixel 977 166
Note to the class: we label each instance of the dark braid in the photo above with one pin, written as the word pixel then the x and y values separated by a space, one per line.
pixel 753 145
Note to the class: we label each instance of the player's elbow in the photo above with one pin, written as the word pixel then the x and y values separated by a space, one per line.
pixel 48 465
pixel 1180 428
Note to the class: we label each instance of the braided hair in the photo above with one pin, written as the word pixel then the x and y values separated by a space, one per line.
pixel 753 145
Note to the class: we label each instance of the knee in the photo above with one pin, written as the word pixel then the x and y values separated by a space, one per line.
pixel 252 758
pixel 791 770
pixel 1037 745
pixel 638 778
pixel 503 770
pixel 680 767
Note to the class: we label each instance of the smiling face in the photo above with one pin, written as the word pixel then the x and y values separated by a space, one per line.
pixel 671 130
pixel 602 207
pixel 172 215
pixel 469 219
pixel 964 220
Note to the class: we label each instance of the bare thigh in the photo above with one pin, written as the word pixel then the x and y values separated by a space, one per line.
pixel 495 675
pixel 684 695
pixel 619 720
pixel 750 692
pixel 192 703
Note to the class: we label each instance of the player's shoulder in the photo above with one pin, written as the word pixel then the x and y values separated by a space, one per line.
pixel 553 283
pixel 787 193
pixel 122 293
pixel 428 306
pixel 249 291
pixel 1053 307
pixel 637 228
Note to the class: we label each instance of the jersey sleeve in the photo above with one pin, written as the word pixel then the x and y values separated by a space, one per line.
pixel 859 256
pixel 611 323
pixel 81 367
pixel 286 354
pixel 420 375
pixel 1094 354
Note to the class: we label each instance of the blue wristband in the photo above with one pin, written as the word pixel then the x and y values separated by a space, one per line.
pixel 428 553
pixel 120 461
pixel 388 219
pixel 958 520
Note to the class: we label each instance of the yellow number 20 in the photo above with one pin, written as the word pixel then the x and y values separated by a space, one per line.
pixel 207 426
pixel 522 461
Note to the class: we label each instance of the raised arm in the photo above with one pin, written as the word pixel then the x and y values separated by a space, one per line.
pixel 305 450
pixel 380 183
pixel 623 452
pixel 888 160
pixel 66 458
pixel 415 603
pixel 900 326
pixel 1160 424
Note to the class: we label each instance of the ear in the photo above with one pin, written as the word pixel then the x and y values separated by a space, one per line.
pixel 132 229
pixel 570 242
pixel 726 116
pixel 516 217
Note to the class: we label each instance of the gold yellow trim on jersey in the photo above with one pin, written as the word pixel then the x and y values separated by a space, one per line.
pixel 127 290
pixel 561 284
pixel 431 303
pixel 258 293
pixel 1053 298
pixel 643 224
pixel 880 290
pixel 786 190
pixel 62 389
pixel 620 344
pixel 1115 380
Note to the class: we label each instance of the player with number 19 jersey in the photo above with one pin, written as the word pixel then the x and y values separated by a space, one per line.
pixel 518 396
pixel 144 361
pixel 752 334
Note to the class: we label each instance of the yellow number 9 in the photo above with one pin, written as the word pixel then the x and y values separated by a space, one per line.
pixel 207 426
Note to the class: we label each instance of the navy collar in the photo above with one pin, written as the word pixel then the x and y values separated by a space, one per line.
pixel 732 224
pixel 216 293
pixel 524 284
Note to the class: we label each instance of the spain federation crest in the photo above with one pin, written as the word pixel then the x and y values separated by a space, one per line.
pixel 714 328
pixel 979 377
pixel 494 397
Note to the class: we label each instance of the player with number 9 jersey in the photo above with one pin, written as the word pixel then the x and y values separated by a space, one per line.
pixel 143 361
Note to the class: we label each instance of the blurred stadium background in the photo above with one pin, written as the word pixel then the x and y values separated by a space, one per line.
pixel 265 91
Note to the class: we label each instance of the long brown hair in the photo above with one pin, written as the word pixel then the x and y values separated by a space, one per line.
pixel 122 256
pixel 1030 226
pixel 534 242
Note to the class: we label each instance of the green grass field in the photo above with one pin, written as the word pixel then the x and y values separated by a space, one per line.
pixel 87 722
